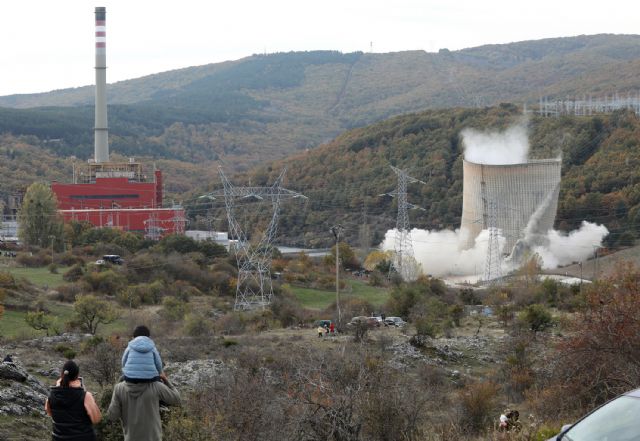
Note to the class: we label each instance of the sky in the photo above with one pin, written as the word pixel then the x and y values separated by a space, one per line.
pixel 47 45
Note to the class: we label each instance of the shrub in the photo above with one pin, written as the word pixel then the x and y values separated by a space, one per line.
pixel 73 274
pixel 107 282
pixel 65 351
pixel 34 260
pixel 376 278
pixel 68 259
pixel 173 309
pixel 227 342
pixel 68 292
pixel 196 325
pixel 230 324
pixel 7 280
pixel 477 406
pixel 536 317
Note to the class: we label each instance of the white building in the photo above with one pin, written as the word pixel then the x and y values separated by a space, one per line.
pixel 219 237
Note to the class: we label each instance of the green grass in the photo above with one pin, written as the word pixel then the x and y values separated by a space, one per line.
pixel 38 276
pixel 13 325
pixel 319 299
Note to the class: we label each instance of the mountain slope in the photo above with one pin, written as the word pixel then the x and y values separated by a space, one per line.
pixel 265 107
pixel 345 178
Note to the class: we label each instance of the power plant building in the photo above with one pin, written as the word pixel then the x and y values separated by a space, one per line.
pixel 115 194
pixel 511 198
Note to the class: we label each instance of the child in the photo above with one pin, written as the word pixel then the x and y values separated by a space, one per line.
pixel 141 362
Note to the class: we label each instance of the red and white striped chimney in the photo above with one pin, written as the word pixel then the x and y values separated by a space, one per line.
pixel 101 130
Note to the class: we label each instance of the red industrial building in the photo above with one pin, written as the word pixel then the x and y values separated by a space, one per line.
pixel 119 195
pixel 115 194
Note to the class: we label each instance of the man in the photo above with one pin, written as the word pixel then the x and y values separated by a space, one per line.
pixel 137 405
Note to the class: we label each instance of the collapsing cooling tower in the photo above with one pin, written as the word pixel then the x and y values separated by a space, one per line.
pixel 524 198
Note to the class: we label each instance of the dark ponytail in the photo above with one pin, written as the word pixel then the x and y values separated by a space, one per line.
pixel 70 372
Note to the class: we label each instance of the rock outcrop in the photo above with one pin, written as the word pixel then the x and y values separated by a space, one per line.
pixel 20 393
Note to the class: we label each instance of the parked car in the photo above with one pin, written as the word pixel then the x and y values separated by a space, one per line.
pixel 395 321
pixel 378 319
pixel 615 420
pixel 113 258
pixel 370 321
pixel 110 258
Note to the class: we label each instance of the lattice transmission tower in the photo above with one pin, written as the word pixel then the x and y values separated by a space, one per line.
pixel 493 263
pixel 404 260
pixel 254 288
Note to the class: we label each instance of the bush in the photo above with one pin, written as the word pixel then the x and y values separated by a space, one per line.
pixel 173 309
pixel 7 280
pixel 73 274
pixel 536 318
pixel 477 406
pixel 65 351
pixel 68 292
pixel 230 324
pixel 107 282
pixel 68 259
pixel 34 260
pixel 196 325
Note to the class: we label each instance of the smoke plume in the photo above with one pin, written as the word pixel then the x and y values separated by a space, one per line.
pixel 440 254
pixel 575 246
pixel 508 147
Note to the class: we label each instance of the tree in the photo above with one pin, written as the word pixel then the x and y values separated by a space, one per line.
pixel 91 311
pixel 376 258
pixel 536 317
pixel 38 217
pixel 40 321
pixel 348 257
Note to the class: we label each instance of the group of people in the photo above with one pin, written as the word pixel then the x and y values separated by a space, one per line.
pixel 326 329
pixel 135 401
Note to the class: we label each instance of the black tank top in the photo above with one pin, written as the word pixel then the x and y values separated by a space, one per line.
pixel 70 419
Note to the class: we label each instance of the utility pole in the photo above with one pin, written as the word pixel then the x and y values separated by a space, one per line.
pixel 337 231
pixel 52 237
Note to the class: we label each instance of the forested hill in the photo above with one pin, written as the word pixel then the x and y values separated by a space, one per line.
pixel 345 178
pixel 269 106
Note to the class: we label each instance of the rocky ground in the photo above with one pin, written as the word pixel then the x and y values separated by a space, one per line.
pixel 24 383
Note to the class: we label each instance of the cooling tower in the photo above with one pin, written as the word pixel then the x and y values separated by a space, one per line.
pixel 508 196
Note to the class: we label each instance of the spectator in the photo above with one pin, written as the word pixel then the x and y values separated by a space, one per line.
pixel 141 361
pixel 137 406
pixel 72 409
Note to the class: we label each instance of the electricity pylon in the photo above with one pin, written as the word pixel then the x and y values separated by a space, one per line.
pixel 493 263
pixel 404 260
pixel 254 288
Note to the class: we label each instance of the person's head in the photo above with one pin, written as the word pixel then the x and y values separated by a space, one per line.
pixel 70 372
pixel 141 331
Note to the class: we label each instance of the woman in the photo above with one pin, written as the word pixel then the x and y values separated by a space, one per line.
pixel 72 409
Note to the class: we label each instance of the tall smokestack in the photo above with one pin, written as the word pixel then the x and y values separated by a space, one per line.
pixel 101 130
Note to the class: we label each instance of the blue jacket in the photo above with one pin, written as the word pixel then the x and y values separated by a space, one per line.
pixel 141 359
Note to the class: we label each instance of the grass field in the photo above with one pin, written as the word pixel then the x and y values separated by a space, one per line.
pixel 319 299
pixel 13 325
pixel 38 276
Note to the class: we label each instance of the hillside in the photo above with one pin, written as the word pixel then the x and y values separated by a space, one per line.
pixel 345 178
pixel 269 106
